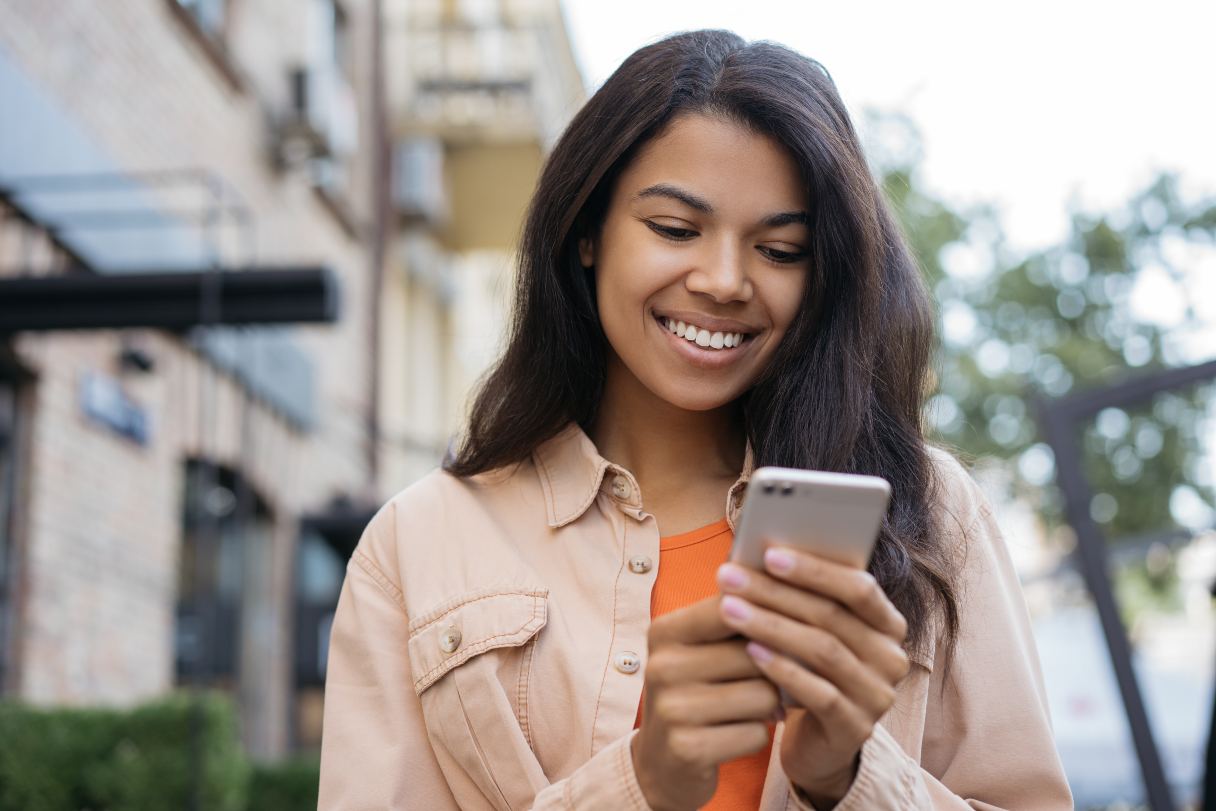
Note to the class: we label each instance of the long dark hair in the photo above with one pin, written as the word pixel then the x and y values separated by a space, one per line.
pixel 844 389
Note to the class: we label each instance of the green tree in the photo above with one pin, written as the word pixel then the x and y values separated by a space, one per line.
pixel 1017 328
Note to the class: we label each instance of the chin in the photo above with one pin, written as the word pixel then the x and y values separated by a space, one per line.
pixel 694 400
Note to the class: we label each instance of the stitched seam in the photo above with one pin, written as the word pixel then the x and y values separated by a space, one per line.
pixel 380 578
pixel 525 669
pixel 983 511
pixel 433 616
pixel 911 774
pixel 905 785
pixel 480 646
pixel 568 793
pixel 616 593
pixel 481 752
pixel 865 779
pixel 625 764
pixel 594 491
pixel 551 500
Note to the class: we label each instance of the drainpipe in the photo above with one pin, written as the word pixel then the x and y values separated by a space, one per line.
pixel 381 169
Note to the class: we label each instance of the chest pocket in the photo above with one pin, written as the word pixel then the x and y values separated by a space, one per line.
pixel 470 660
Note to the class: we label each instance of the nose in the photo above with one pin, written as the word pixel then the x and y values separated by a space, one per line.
pixel 721 274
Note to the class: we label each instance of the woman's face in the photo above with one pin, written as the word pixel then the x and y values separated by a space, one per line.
pixel 702 260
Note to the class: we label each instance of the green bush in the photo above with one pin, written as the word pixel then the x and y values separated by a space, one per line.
pixel 110 760
pixel 45 755
pixel 288 786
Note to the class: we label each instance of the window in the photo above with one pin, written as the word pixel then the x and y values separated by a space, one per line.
pixel 225 540
pixel 320 568
pixel 208 22
pixel 326 100
pixel 210 15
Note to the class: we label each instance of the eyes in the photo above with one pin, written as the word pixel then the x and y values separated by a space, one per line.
pixel 684 234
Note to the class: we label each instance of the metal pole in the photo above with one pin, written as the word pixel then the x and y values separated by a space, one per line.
pixel 1060 425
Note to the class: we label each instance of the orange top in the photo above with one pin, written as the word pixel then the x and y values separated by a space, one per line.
pixel 688 566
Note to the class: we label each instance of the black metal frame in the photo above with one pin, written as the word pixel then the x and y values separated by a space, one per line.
pixel 1060 420
pixel 167 300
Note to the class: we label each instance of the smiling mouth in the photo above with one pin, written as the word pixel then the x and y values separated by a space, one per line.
pixel 703 337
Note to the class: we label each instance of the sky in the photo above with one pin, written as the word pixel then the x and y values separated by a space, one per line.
pixel 1032 106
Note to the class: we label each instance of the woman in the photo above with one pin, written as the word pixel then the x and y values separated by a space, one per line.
pixel 709 281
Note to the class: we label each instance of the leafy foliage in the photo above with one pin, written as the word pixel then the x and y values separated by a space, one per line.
pixel 1017 329
pixel 140 760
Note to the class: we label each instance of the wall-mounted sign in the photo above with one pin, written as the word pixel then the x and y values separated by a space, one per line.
pixel 104 402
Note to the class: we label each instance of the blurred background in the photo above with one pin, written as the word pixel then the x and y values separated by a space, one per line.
pixel 255 253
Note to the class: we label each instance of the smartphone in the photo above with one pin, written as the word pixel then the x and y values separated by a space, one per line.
pixel 834 515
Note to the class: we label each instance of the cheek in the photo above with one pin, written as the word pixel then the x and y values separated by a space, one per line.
pixel 782 295
pixel 628 275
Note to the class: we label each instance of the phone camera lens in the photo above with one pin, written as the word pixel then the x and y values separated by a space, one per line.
pixel 787 489
pixel 767 489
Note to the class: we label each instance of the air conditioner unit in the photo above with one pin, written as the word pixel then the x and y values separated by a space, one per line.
pixel 419 191
pixel 321 120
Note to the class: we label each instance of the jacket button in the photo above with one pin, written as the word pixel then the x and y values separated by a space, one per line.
pixel 621 487
pixel 627 662
pixel 640 564
pixel 449 640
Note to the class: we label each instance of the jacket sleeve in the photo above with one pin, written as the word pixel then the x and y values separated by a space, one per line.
pixel 988 742
pixel 375 753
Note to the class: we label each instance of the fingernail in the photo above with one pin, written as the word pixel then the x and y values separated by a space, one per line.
pixel 760 653
pixel 736 608
pixel 732 576
pixel 778 561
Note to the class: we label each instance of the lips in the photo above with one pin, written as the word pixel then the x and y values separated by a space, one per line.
pixel 705 357
pixel 707 322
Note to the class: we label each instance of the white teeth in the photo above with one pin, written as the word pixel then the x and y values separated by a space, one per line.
pixel 702 337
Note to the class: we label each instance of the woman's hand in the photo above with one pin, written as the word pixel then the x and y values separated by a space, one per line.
pixel 705 702
pixel 829 637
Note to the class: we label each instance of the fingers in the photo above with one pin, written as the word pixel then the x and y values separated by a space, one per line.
pixel 868 644
pixel 821 651
pixel 840 718
pixel 699 622
pixel 709 662
pixel 853 588
pixel 704 704
pixel 709 746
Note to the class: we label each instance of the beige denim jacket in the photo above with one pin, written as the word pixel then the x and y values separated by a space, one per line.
pixel 490 642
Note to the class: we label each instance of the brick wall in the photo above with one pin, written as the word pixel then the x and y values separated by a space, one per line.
pixel 103 514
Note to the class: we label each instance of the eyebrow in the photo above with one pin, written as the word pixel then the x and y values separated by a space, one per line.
pixel 701 204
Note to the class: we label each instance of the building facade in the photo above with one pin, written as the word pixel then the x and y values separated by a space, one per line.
pixel 177 505
pixel 154 482
pixel 477 92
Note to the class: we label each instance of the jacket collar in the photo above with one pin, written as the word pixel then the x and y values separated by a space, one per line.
pixel 572 473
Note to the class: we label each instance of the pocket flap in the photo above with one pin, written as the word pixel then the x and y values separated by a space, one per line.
pixel 449 635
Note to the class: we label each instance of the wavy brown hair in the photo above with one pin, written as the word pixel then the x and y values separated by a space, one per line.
pixel 844 389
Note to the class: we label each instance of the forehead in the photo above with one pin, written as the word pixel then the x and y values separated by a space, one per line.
pixel 736 169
